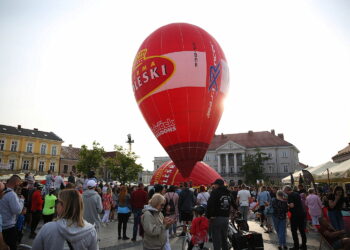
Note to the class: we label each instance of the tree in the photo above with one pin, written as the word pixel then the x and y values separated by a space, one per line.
pixel 90 159
pixel 253 166
pixel 123 166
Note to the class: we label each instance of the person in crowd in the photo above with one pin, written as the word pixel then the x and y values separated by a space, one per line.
pixel 36 209
pixel 11 205
pixel 252 191
pixel 20 224
pixel 203 196
pixel 336 202
pixel 199 228
pixel 187 201
pixel 107 204
pixel 253 208
pixel 3 245
pixel 49 206
pixel 218 211
pixel 243 197
pixel 280 209
pixel 30 179
pixel 298 216
pixel 71 178
pixel 59 183
pixel 90 176
pixel 263 198
pixel 154 224
pixel 314 203
pixel 79 180
pixel 172 208
pixel 70 226
pixel 92 204
pixel 268 212
pixel 114 202
pixel 301 189
pixel 49 182
pixel 336 238
pixel 138 201
pixel 124 209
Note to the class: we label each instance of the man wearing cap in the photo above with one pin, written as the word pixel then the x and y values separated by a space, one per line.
pixel 92 204
pixel 218 211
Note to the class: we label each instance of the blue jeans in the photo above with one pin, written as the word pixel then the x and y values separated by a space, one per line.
pixel 336 219
pixel 172 228
pixel 280 227
pixel 137 222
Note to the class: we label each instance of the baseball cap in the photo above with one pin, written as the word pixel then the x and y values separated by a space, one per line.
pixel 219 182
pixel 91 183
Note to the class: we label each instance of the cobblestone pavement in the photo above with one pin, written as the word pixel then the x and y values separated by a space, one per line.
pixel 109 240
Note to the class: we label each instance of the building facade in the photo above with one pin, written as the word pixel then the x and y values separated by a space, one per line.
pixel 342 155
pixel 28 150
pixel 226 154
pixel 69 159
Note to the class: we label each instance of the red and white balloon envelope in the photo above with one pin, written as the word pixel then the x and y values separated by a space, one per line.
pixel 180 78
pixel 168 174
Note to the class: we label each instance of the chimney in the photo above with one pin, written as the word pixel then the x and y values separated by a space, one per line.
pixel 19 127
pixel 281 136
pixel 250 132
pixel 70 145
pixel 273 131
pixel 35 129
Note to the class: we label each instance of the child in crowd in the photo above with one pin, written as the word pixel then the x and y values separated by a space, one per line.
pixel 20 224
pixel 199 228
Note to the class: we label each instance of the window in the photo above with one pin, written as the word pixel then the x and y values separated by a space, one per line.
pixel 232 170
pixel 12 164
pixel 65 169
pixel 14 146
pixel 270 155
pixel 52 166
pixel 41 166
pixel 30 147
pixel 239 159
pixel 54 150
pixel 25 165
pixel 270 169
pixel 2 145
pixel 207 158
pixel 285 168
pixel 284 154
pixel 43 149
pixel 74 169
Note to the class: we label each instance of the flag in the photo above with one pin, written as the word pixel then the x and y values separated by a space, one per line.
pixel 301 179
pixel 308 177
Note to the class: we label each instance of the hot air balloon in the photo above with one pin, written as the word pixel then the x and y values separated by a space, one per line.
pixel 180 77
pixel 168 174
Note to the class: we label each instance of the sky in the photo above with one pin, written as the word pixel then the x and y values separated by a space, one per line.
pixel 65 66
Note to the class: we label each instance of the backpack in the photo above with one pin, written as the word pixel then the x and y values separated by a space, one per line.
pixel 170 207
pixel 225 202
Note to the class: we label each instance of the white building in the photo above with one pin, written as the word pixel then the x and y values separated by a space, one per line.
pixel 145 177
pixel 226 154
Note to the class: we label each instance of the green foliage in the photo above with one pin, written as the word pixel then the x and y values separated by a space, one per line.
pixel 90 159
pixel 253 166
pixel 123 166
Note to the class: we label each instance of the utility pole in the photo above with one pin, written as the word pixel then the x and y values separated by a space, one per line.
pixel 130 142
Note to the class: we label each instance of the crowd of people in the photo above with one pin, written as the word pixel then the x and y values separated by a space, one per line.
pixel 73 212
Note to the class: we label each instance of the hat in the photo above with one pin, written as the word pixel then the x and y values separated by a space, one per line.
pixel 91 183
pixel 219 182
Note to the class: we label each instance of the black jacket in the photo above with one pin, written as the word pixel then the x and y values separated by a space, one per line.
pixel 187 200
pixel 216 203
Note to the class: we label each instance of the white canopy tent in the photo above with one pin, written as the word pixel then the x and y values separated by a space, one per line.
pixel 316 172
pixel 340 170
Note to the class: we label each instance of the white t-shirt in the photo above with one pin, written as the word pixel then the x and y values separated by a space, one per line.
pixel 202 198
pixel 58 181
pixel 243 196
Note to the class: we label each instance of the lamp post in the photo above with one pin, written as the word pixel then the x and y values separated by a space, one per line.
pixel 130 142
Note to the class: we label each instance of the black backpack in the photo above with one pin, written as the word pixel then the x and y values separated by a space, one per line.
pixel 170 207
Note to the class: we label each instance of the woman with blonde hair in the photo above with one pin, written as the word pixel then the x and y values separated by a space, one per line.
pixel 69 226
pixel 154 224
pixel 124 210
pixel 107 204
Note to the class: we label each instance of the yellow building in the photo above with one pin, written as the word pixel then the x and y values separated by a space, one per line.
pixel 23 150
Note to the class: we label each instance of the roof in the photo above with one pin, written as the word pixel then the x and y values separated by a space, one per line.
pixel 70 153
pixel 29 132
pixel 303 166
pixel 344 151
pixel 250 140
